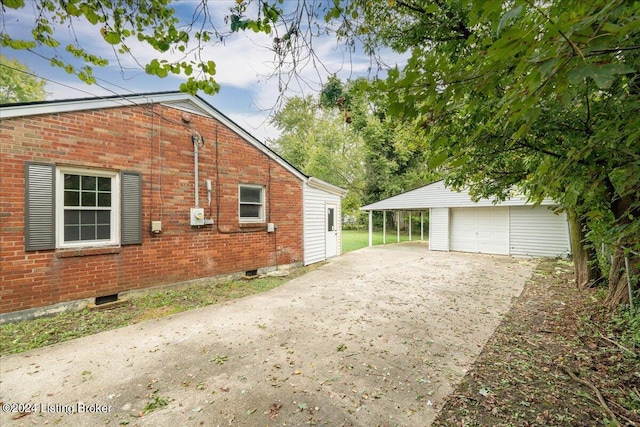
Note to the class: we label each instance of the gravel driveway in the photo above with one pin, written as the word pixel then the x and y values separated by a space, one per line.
pixel 376 337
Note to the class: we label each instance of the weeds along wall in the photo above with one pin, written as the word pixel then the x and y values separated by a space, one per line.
pixel 155 142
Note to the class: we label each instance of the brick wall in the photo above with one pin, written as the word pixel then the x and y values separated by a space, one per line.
pixel 159 147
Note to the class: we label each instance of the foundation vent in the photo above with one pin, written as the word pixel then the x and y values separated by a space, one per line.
pixel 106 299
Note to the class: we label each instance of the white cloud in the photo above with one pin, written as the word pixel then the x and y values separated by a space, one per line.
pixel 244 63
pixel 242 60
pixel 257 124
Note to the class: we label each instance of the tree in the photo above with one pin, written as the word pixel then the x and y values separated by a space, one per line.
pixel 543 96
pixel 18 84
pixel 345 138
pixel 395 161
pixel 318 142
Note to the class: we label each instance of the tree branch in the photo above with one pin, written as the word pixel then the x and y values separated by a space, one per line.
pixel 460 28
pixel 411 7
pixel 612 50
pixel 574 47
pixel 596 391
pixel 587 120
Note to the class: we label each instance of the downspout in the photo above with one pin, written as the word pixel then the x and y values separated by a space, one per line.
pixel 196 139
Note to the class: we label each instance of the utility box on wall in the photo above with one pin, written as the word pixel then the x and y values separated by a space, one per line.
pixel 197 216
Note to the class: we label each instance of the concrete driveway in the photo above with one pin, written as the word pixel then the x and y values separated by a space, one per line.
pixel 376 337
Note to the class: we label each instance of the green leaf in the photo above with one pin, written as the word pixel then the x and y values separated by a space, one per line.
pixel 547 66
pixel 112 37
pixel 151 67
pixel 13 4
pixel 461 160
pixel 502 48
pixel 610 27
pixel 602 74
pixel 6 41
pixel 438 160
pixel 72 9
pixel 333 13
pixel 508 17
pixel 90 14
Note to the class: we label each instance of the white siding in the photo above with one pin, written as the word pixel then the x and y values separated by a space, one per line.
pixel 314 223
pixel 439 229
pixel 538 232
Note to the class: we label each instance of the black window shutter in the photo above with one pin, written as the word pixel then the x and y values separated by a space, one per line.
pixel 131 195
pixel 39 206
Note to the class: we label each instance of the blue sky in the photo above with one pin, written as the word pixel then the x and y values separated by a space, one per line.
pixel 243 66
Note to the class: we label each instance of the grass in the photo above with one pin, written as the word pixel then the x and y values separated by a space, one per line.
pixel 35 333
pixel 356 239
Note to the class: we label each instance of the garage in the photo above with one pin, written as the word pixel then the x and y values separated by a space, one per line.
pixel 457 223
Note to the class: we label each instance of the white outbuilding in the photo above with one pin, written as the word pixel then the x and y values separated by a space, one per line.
pixel 322 220
pixel 456 223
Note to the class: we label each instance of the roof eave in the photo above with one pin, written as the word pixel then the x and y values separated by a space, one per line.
pixel 325 186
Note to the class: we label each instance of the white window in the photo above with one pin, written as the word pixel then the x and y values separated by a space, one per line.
pixel 87 207
pixel 251 198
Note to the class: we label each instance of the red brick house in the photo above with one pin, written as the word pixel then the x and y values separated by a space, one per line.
pixel 109 195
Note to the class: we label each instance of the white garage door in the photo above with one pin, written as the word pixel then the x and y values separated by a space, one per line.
pixel 483 230
pixel 538 232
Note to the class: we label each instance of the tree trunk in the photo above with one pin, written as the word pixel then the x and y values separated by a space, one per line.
pixel 585 263
pixel 618 284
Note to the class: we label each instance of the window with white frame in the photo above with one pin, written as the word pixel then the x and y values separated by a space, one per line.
pixel 251 198
pixel 87 207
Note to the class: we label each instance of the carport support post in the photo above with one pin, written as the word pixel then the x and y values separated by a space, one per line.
pixel 398 227
pixel 370 228
pixel 421 225
pixel 384 227
pixel 410 213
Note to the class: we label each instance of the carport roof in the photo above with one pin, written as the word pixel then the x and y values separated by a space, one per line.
pixel 437 195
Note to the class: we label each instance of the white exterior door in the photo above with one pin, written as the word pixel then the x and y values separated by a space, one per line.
pixel 483 230
pixel 331 229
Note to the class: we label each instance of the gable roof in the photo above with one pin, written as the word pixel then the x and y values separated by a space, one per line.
pixel 179 100
pixel 437 195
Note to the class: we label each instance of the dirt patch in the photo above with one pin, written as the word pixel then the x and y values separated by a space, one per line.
pixel 551 362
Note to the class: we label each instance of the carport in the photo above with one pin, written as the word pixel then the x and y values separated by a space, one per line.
pixel 457 223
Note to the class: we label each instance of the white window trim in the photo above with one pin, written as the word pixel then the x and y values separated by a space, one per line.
pixel 115 207
pixel 262 205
